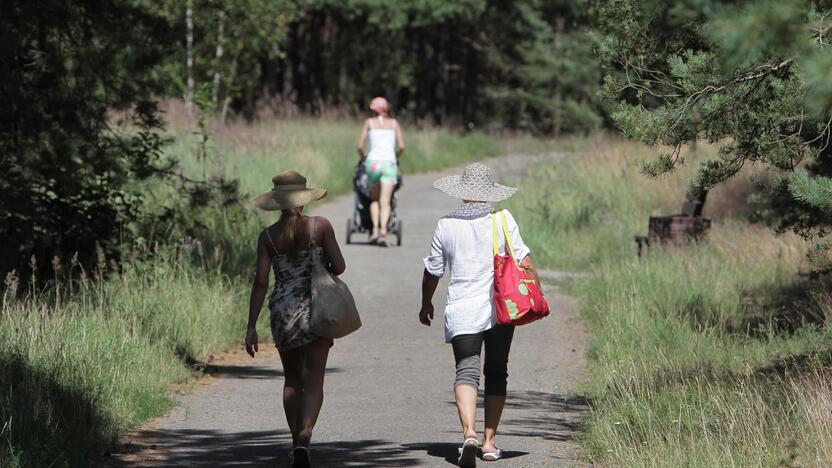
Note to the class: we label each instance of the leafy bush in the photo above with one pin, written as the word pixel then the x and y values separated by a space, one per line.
pixel 64 189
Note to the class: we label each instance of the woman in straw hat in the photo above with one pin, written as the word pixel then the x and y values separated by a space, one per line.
pixel 287 247
pixel 462 244
pixel 381 164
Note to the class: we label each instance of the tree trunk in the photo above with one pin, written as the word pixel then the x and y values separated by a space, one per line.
pixel 215 94
pixel 470 92
pixel 557 119
pixel 189 38
pixel 232 75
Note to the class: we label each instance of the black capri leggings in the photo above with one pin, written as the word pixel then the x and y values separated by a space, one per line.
pixel 467 349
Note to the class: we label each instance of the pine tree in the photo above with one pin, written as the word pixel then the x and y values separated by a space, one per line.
pixel 754 77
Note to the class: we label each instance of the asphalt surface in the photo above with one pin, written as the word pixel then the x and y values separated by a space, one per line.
pixel 388 390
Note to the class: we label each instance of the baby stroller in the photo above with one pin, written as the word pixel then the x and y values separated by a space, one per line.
pixel 360 220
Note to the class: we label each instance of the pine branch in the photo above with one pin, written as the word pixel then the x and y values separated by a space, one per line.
pixel 815 192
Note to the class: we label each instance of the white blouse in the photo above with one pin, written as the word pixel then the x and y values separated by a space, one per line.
pixel 463 243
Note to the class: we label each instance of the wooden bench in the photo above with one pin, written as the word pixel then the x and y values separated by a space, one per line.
pixel 677 229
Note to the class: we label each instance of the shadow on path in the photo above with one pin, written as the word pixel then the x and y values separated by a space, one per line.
pixel 258 449
pixel 190 447
pixel 544 415
pixel 449 451
pixel 242 372
pixel 361 453
pixel 549 416
pixel 238 371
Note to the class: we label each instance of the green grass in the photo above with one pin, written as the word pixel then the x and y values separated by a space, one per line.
pixel 707 355
pixel 80 369
pixel 86 361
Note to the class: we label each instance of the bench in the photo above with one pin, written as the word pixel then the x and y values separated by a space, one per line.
pixel 677 229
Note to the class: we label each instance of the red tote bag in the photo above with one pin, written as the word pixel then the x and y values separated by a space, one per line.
pixel 518 297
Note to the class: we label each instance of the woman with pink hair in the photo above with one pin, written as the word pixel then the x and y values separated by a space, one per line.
pixel 381 164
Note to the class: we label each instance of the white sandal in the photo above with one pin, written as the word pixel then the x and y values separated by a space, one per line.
pixel 492 456
pixel 468 453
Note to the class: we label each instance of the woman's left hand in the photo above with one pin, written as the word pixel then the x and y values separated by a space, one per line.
pixel 251 341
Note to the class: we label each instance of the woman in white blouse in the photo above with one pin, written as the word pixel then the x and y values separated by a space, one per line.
pixel 462 244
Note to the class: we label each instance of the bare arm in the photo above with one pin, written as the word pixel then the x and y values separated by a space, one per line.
pixel 337 265
pixel 528 265
pixel 429 283
pixel 259 288
pixel 362 140
pixel 399 140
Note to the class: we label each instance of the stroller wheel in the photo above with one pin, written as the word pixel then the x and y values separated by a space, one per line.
pixel 349 230
pixel 399 232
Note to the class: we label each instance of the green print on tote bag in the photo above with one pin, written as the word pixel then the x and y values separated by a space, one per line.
pixel 518 297
pixel 512 308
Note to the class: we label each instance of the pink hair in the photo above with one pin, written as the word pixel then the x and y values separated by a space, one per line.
pixel 379 105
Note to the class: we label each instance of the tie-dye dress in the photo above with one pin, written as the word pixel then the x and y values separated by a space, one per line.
pixel 289 302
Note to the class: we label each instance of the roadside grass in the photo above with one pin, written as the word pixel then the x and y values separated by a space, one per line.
pixel 713 354
pixel 81 367
pixel 83 361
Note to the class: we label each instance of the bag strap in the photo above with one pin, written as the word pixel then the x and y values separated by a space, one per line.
pixel 496 235
pixel 269 238
pixel 313 225
pixel 509 243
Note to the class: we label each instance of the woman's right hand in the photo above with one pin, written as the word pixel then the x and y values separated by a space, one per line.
pixel 251 341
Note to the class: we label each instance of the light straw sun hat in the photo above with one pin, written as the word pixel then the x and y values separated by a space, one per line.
pixel 476 183
pixel 289 191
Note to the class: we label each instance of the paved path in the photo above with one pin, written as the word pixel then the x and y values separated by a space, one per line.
pixel 388 397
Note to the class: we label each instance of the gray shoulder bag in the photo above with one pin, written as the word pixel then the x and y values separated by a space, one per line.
pixel 332 312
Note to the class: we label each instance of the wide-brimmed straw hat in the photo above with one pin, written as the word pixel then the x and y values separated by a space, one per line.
pixel 476 183
pixel 289 191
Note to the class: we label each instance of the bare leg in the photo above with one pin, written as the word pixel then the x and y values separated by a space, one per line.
pixel 314 367
pixel 292 390
pixel 493 411
pixel 374 208
pixel 466 404
pixel 384 200
pixel 467 349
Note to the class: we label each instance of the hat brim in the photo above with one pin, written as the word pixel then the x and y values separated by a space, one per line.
pixel 274 200
pixel 452 186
